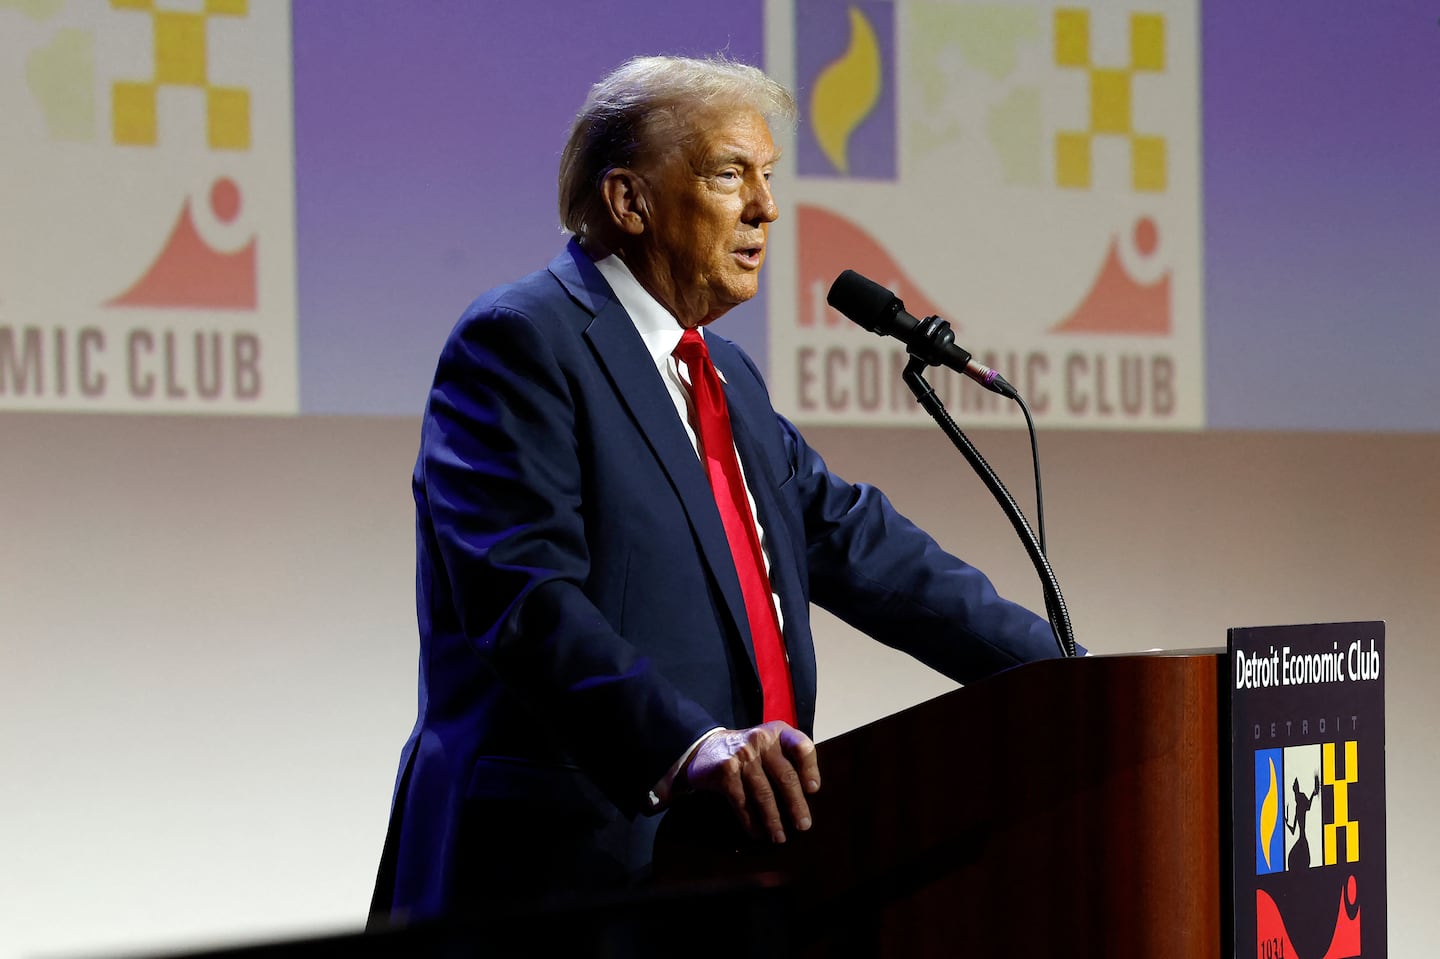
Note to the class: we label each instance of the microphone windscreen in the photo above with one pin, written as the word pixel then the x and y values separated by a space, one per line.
pixel 861 299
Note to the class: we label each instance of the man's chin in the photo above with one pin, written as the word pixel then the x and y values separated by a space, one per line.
pixel 743 287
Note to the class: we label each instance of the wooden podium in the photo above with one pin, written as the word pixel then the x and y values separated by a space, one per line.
pixel 1063 808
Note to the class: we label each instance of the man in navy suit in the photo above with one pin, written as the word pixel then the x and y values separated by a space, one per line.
pixel 586 652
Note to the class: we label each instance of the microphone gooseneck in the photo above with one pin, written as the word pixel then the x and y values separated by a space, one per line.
pixel 931 342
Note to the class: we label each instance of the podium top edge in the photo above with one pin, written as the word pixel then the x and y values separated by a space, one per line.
pixel 1190 651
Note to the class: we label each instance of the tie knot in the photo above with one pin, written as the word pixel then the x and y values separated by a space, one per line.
pixel 691 348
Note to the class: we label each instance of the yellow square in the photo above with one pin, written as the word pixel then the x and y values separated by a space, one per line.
pixel 180 48
pixel 132 108
pixel 132 4
pixel 1110 101
pixel 228 109
pixel 1147 164
pixel 1072 160
pixel 227 8
pixel 1147 42
pixel 1072 37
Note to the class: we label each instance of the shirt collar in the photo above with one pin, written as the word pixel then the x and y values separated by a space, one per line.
pixel 656 325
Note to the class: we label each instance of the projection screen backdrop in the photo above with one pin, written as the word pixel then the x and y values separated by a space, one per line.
pixel 260 208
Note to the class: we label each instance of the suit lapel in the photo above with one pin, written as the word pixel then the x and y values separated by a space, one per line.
pixel 631 372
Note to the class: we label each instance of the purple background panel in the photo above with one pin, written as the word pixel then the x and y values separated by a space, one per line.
pixel 1322 215
pixel 822 33
pixel 427 140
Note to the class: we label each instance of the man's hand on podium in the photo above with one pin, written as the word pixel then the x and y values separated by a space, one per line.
pixel 759 771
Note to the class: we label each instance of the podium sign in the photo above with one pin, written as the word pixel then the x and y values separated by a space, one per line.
pixel 1307 735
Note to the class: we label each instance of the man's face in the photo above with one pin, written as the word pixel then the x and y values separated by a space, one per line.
pixel 709 210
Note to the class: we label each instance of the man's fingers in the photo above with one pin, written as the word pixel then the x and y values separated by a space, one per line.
pixel 787 779
pixel 733 787
pixel 718 766
pixel 766 821
pixel 801 753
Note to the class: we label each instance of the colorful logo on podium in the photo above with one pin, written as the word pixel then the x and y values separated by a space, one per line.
pixel 1302 807
pixel 1303 822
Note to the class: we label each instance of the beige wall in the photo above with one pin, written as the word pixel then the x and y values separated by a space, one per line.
pixel 209 641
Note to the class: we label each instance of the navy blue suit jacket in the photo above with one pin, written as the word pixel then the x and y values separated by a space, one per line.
pixel 581 623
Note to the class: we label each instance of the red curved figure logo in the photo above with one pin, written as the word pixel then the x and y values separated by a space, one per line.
pixel 1119 303
pixel 1273 939
pixel 190 272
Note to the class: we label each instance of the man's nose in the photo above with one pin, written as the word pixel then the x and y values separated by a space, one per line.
pixel 761 207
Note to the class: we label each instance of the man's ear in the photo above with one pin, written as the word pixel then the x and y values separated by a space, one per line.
pixel 623 191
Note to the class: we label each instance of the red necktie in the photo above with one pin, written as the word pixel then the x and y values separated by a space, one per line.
pixel 717 449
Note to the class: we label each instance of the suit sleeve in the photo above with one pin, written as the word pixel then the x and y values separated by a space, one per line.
pixel 882 574
pixel 500 471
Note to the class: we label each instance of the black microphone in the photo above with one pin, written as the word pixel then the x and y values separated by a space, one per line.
pixel 881 312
